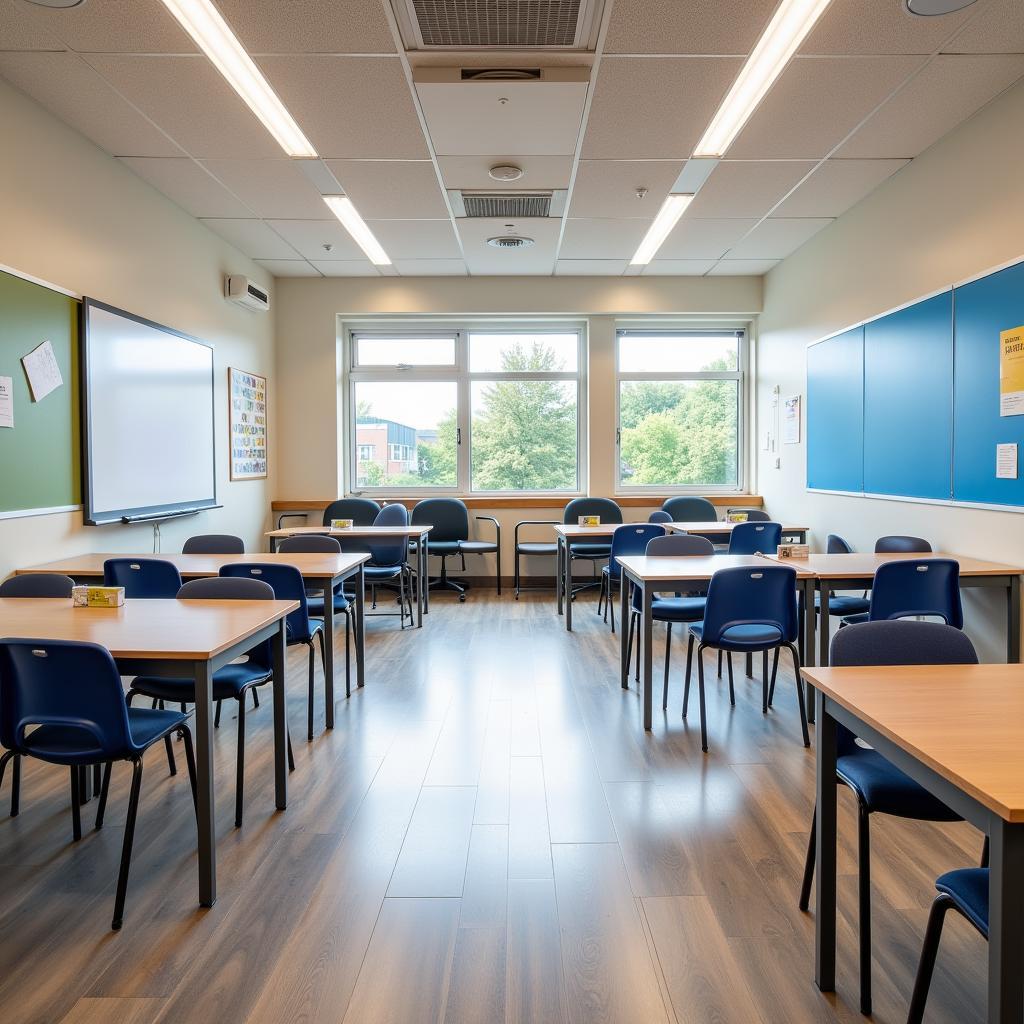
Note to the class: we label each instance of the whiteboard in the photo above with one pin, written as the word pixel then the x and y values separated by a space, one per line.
pixel 149 421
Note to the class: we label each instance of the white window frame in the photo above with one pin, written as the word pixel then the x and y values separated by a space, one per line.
pixel 741 375
pixel 459 374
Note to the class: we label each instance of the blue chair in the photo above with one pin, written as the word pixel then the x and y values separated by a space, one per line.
pixel 627 540
pixel 37 584
pixel 62 703
pixel 362 511
pixel 880 787
pixel 450 536
pixel 389 561
pixel 143 577
pixel 214 544
pixel 661 516
pixel 761 538
pixel 609 512
pixel 926 586
pixel 529 547
pixel 897 544
pixel 754 515
pixel 690 509
pixel 749 610
pixel 842 604
pixel 287 585
pixel 232 682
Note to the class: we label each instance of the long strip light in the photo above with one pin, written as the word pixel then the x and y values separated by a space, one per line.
pixel 780 40
pixel 342 208
pixel 202 21
pixel 670 212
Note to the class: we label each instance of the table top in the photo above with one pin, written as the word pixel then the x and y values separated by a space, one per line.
pixel 312 565
pixel 143 629
pixel 573 531
pixel 966 722
pixel 353 531
pixel 666 568
pixel 862 564
pixel 720 527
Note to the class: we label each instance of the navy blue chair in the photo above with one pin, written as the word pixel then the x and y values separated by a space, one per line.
pixel 926 586
pixel 609 512
pixel 37 584
pixel 627 540
pixel 530 547
pixel 143 577
pixel 750 610
pixel 880 787
pixel 362 511
pixel 232 682
pixel 214 544
pixel 690 509
pixel 755 538
pixel 287 585
pixel 897 544
pixel 661 516
pixel 62 703
pixel 389 561
pixel 842 604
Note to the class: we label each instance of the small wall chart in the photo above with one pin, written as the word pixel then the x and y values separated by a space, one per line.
pixel 247 415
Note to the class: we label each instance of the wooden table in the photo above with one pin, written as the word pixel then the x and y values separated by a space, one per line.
pixel 177 639
pixel 723 531
pixel 660 573
pixel 958 730
pixel 416 535
pixel 319 571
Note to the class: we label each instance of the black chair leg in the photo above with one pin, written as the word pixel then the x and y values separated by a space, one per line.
pixel 668 655
pixel 515 572
pixel 799 693
pixel 190 761
pixel 4 758
pixel 929 951
pixel 750 666
pixel 610 604
pixel 97 777
pixel 216 717
pixel 732 691
pixel 172 766
pixel 126 848
pixel 805 885
pixel 240 764
pixel 104 791
pixel 76 804
pixel 689 662
pixel 984 853
pixel 775 670
pixel 309 701
pixel 348 657
pixel 700 697
pixel 291 756
pixel 16 786
pixel 629 641
pixel 864 900
pixel 255 698
pixel 719 664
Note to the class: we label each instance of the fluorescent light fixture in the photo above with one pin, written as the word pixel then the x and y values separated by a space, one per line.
pixel 784 34
pixel 201 20
pixel 342 208
pixel 670 212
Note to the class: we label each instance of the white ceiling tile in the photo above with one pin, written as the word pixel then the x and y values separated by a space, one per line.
pixel 481 259
pixel 668 26
pixel 252 237
pixel 309 26
pixel 601 239
pixel 310 236
pixel 191 101
pixel 836 186
pixel 349 106
pixel 271 188
pixel 746 189
pixel 398 189
pixel 186 183
pixel 22 28
pixel 878 26
pixel 741 268
pixel 655 107
pixel 677 268
pixel 416 239
pixel 998 28
pixel 539 172
pixel 74 92
pixel 816 102
pixel 289 268
pixel 607 188
pixel 777 237
pixel 945 93
pixel 588 268
pixel 430 268
pixel 346 268
pixel 692 238
pixel 118 26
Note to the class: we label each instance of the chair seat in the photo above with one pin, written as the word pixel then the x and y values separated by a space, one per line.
pixel 884 789
pixel 844 604
pixel 228 683
pixel 678 609
pixel 591 550
pixel 315 626
pixel 537 548
pixel 375 573
pixel 315 605
pixel 63 744
pixel 968 888
pixel 442 547
pixel 477 547
pixel 852 619
pixel 753 637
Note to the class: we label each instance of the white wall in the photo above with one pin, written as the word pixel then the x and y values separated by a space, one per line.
pixel 954 212
pixel 72 215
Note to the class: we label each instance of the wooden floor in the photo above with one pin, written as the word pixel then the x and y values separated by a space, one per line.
pixel 487 835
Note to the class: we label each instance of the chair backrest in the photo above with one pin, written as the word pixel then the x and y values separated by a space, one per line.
pixel 897 543
pixel 632 540
pixel 37 584
pixel 661 516
pixel 761 595
pixel 690 509
pixel 835 545
pixel 142 577
pixel 286 582
pixel 607 509
pixel 64 683
pixel 755 538
pixel 362 511
pixel 310 543
pixel 391 552
pixel 226 588
pixel 214 544
pixel 898 642
pixel 754 515
pixel 448 516
pixel 679 544
pixel 925 586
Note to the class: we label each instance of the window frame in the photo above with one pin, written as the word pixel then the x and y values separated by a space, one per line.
pixel 740 375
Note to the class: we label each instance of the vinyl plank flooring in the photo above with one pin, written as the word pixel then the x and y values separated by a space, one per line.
pixel 529 841
pixel 476 994
pixel 534 985
pixel 485 894
pixel 113 1011
pixel 496 762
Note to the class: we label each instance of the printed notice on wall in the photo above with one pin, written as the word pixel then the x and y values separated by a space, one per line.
pixel 791 420
pixel 1011 372
pixel 42 371
pixel 1006 462
pixel 247 393
pixel 6 402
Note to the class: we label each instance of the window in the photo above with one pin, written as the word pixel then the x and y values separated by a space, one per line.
pixel 488 409
pixel 680 401
pixel 366 452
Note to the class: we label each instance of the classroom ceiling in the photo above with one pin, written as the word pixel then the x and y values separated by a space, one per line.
pixel 625 94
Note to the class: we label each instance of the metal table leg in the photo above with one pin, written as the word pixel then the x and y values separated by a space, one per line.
pixel 277 646
pixel 1006 922
pixel 647 621
pixel 1013 620
pixel 624 588
pixel 568 586
pixel 360 626
pixel 825 839
pixel 329 654
pixel 808 651
pixel 559 581
pixel 203 679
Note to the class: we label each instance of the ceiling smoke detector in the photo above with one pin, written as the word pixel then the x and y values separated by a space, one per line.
pixel 509 242
pixel 505 172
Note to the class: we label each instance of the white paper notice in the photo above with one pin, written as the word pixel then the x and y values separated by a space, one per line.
pixel 6 402
pixel 42 371
pixel 1006 462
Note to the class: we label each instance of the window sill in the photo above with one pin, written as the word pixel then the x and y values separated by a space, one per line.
pixel 526 501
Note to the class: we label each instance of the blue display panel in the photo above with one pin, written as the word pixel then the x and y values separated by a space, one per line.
pixel 982 309
pixel 835 413
pixel 908 407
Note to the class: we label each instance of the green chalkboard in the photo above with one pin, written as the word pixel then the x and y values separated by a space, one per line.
pixel 40 457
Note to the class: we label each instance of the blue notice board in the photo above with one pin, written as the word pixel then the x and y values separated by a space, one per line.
pixel 835 413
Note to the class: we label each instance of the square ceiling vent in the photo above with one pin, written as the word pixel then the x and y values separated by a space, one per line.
pixel 509 24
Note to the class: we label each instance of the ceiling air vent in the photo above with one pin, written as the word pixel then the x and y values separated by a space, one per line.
pixel 507 205
pixel 509 242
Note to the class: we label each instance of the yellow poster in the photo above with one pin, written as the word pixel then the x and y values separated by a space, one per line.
pixel 1011 372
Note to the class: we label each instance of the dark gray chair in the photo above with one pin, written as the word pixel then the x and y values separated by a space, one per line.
pixel 450 536
pixel 690 509
pixel 37 584
pixel 534 548
pixel 362 511
pixel 660 516
pixel 609 512
pixel 214 544
pixel 754 515
pixel 897 544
